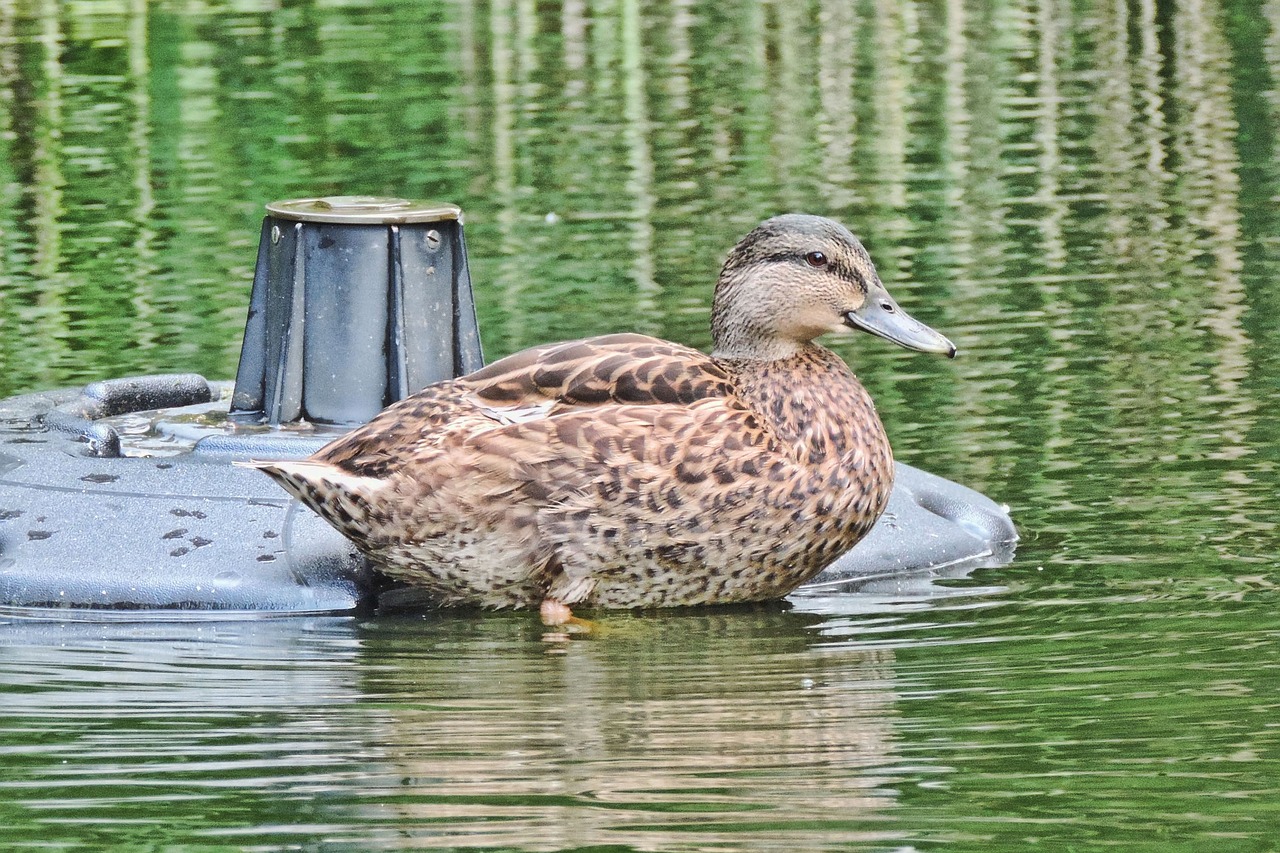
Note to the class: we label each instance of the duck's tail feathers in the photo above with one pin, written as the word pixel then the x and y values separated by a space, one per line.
pixel 341 498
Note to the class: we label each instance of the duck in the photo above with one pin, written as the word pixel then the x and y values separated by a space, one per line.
pixel 624 471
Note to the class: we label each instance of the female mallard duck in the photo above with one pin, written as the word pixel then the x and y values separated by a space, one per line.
pixel 627 471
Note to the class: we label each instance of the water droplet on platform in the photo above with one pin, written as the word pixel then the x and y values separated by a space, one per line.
pixel 227 580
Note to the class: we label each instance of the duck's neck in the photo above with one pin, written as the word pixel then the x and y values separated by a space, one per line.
pixel 813 403
pixel 751 349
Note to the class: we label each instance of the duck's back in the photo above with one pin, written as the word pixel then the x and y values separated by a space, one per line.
pixel 541 382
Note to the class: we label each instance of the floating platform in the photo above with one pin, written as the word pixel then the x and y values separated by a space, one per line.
pixel 121 495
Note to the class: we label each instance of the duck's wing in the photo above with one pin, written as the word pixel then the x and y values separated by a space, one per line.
pixel 626 369
pixel 610 370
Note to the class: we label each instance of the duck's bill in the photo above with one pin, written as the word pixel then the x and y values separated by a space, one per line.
pixel 880 315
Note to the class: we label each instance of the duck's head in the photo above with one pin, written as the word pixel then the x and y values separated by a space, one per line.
pixel 796 277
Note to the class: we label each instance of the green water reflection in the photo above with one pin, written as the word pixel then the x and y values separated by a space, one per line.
pixel 1082 195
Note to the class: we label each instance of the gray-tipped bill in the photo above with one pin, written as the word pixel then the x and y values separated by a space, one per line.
pixel 880 315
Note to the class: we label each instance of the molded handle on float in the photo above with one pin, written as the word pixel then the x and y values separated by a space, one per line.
pixel 78 418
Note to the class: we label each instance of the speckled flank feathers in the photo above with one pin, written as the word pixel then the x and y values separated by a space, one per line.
pixel 626 471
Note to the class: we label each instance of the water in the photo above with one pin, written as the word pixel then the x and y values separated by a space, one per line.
pixel 1081 195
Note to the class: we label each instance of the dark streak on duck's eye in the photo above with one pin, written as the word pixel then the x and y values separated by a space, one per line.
pixel 816 259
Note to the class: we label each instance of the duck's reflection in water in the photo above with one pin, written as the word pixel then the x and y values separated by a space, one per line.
pixel 653 732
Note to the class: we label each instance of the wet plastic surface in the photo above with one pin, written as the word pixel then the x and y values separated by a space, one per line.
pixel 186 530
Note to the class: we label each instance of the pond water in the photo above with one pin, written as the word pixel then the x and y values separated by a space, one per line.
pixel 1082 195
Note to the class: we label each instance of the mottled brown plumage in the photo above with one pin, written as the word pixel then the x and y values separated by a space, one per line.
pixel 626 471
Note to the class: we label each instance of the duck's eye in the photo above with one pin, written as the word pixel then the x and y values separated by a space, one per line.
pixel 816 259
